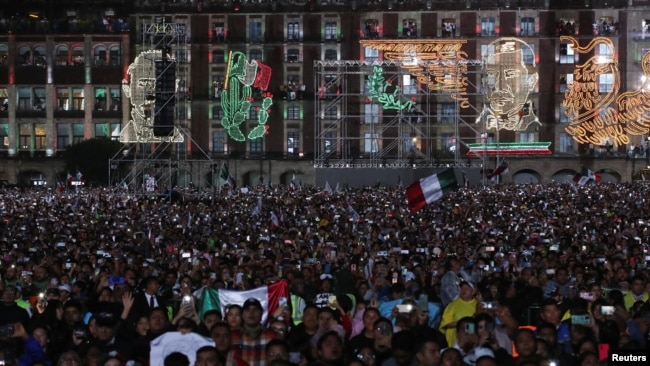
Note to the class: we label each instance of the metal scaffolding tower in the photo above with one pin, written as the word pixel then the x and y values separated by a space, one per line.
pixel 151 161
pixel 409 125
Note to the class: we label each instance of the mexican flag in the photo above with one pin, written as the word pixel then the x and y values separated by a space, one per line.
pixel 430 189
pixel 586 176
pixel 268 295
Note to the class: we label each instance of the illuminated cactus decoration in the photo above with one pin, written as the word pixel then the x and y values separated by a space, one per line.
pixel 236 98
pixel 377 90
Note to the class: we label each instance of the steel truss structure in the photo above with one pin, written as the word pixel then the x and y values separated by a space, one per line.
pixel 353 130
pixel 174 161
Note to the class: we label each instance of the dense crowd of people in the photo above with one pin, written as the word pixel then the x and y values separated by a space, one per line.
pixel 507 274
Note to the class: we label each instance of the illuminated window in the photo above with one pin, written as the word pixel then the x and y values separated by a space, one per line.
pixel 408 142
pixel 293 55
pixel 115 56
pixel 448 27
pixel 39 136
pixel 77 99
pixel 39 56
pixel 409 84
pixel 567 54
pixel 4 136
pixel 330 142
pixel 566 142
pixel 293 79
pixel 293 31
pixel 331 31
pixel 62 135
pixel 527 137
pixel 77 55
pixel 116 99
pixel 370 28
pixel 331 112
pixel 255 146
pixel 605 83
pixel 563 118
pixel 565 80
pixel 218 56
pixel 61 54
pixel 371 54
pixel 100 99
pixel 448 113
pixel 255 54
pixel 331 55
pixel 371 143
pixel 409 28
pixel 293 112
pixel 107 131
pixel 528 54
pixel 527 26
pixel 488 26
pixel 606 26
pixel 371 113
pixel 25 136
pixel 255 31
pixel 293 143
pixel 447 141
pixel 219 142
pixel 218 32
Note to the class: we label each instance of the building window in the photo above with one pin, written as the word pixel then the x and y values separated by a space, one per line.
pixel 293 112
pixel 605 83
pixel 219 142
pixel 252 112
pixel 331 31
pixel 527 137
pixel 371 113
pixel 255 146
pixel 255 31
pixel 528 54
pixel 61 54
pixel 565 80
pixel 448 141
pixel 107 131
pixel 77 55
pixel 409 28
pixel 330 142
pixel 4 54
pixel 181 56
pixel 25 136
pixel 562 118
pixel 100 99
pixel 4 136
pixel 116 99
pixel 408 142
pixel 331 112
pixel 448 113
pixel 24 99
pixel 527 26
pixel 218 32
pixel 99 56
pixel 448 27
pixel 39 136
pixel 70 99
pixel 217 112
pixel 293 143
pixel 370 143
pixel 567 54
pixel 293 31
pixel 77 99
pixel 371 54
pixel 409 84
pixel 24 56
pixel 255 54
pixel 218 56
pixel 293 55
pixel 370 28
pixel 566 142
pixel 605 54
pixel 115 56
pixel 488 26
pixel 293 79
pixel 62 136
pixel 331 55
pixel 77 132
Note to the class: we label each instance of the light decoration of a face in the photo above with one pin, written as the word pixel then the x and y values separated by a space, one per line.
pixel 508 81
pixel 140 88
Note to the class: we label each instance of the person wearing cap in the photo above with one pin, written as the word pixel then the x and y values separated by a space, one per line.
pixel 252 339
pixel 64 292
pixel 463 306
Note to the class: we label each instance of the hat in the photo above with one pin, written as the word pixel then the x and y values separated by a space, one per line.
pixel 65 287
pixel 252 302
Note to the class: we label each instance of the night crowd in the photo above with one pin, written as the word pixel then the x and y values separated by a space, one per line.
pixel 498 275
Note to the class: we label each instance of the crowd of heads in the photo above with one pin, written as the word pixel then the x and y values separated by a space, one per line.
pixel 513 274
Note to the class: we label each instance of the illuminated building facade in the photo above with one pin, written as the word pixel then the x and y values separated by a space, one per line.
pixel 322 58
